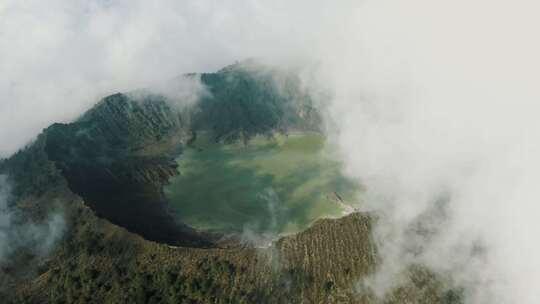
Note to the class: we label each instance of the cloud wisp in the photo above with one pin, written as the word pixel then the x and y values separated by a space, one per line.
pixel 431 102
pixel 68 54
pixel 18 233
pixel 435 102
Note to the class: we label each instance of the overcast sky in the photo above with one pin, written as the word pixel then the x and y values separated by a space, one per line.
pixel 431 97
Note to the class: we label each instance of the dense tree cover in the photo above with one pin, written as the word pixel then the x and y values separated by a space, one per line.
pixel 117 157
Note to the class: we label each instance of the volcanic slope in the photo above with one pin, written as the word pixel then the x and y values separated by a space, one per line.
pixel 105 173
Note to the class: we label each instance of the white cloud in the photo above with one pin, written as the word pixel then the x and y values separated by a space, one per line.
pixel 440 98
pixel 431 97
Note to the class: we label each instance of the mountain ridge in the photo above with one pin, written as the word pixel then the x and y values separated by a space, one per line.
pixel 105 172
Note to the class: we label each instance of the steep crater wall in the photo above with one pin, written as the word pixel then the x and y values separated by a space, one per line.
pixel 102 160
pixel 120 154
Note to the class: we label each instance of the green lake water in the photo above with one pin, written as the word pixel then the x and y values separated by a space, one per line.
pixel 276 185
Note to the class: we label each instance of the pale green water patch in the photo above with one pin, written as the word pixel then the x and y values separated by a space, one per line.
pixel 271 185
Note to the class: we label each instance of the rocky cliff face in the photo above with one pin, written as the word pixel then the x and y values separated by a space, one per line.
pixel 105 172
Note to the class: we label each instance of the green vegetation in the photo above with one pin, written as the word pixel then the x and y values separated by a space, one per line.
pixel 247 99
pixel 271 184
pixel 105 173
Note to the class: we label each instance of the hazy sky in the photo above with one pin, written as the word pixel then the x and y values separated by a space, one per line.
pixel 59 57
pixel 431 98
